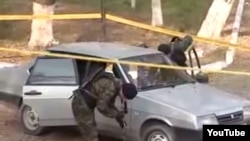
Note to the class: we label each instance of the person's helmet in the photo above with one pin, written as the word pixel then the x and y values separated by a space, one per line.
pixel 129 91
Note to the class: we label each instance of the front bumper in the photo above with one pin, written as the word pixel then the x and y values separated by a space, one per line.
pixel 247 122
pixel 182 134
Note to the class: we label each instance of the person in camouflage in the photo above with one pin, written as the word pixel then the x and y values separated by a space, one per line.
pixel 101 94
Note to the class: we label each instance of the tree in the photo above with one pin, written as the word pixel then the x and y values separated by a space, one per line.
pixel 42 29
pixel 133 4
pixel 157 17
pixel 216 18
pixel 235 32
pixel 230 53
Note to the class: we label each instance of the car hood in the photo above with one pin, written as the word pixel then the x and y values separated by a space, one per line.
pixel 197 99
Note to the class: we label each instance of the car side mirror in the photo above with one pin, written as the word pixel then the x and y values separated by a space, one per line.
pixel 202 77
pixel 129 91
pixel 28 71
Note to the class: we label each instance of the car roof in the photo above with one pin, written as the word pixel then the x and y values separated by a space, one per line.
pixel 107 50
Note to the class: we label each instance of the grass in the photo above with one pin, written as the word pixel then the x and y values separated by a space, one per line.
pixel 184 15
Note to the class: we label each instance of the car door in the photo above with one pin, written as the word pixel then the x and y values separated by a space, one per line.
pixel 48 88
pixel 110 126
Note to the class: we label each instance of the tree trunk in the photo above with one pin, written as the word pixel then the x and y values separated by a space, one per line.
pixel 234 38
pixel 157 17
pixel 216 18
pixel 42 29
pixel 235 32
pixel 133 4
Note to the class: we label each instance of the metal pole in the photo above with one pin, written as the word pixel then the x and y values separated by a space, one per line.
pixel 103 20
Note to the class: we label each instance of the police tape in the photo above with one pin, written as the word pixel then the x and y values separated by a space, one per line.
pixel 95 59
pixel 55 17
pixel 113 18
pixel 216 42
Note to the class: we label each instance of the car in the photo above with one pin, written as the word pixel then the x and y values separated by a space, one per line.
pixel 171 105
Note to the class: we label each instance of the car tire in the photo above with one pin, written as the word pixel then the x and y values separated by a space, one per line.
pixel 157 132
pixel 28 123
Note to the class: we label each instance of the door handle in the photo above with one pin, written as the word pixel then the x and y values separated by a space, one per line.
pixel 32 93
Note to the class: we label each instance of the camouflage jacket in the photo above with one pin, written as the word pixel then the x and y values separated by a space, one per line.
pixel 105 91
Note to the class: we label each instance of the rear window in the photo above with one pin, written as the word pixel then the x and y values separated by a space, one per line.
pixel 53 71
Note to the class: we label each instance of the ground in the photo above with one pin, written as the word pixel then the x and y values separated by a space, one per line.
pixel 11 131
pixel 16 35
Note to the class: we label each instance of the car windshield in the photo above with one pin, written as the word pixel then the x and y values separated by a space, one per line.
pixel 150 77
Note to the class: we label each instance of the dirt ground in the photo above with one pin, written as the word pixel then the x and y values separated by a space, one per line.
pixel 9 127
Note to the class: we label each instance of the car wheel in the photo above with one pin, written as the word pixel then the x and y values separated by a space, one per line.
pixel 157 132
pixel 30 121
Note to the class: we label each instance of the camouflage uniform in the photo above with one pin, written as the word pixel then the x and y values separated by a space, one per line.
pixel 105 91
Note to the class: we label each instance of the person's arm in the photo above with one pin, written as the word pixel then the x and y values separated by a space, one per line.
pixel 105 90
pixel 184 43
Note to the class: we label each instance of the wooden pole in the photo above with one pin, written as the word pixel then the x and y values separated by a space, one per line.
pixel 103 20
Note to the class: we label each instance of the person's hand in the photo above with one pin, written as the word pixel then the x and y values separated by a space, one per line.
pixel 120 115
pixel 119 119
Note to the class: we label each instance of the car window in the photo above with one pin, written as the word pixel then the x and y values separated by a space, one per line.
pixel 53 71
pixel 145 77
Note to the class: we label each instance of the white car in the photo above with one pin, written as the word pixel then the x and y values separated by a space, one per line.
pixel 168 109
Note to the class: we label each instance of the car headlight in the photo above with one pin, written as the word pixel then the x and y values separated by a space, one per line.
pixel 206 120
pixel 246 112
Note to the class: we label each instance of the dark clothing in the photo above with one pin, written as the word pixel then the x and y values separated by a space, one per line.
pixel 176 49
pixel 104 90
pixel 183 44
pixel 179 58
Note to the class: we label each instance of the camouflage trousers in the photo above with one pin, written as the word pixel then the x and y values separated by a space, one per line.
pixel 84 116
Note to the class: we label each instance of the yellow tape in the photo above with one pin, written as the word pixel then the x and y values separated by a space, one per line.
pixel 56 17
pixel 220 43
pixel 175 33
pixel 121 62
